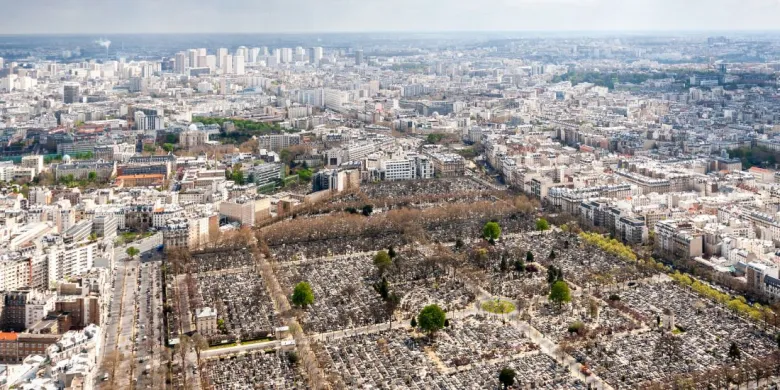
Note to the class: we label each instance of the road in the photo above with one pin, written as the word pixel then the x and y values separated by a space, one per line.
pixel 134 312
pixel 119 329
pixel 148 323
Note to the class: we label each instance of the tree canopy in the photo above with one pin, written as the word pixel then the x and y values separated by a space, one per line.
pixel 560 293
pixel 734 352
pixel 431 319
pixel 542 224
pixel 507 377
pixel 132 251
pixel 491 231
pixel 382 262
pixel 303 295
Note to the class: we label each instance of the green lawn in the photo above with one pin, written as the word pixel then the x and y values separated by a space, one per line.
pixel 498 306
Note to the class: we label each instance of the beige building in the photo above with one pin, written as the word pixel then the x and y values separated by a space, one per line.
pixel 206 321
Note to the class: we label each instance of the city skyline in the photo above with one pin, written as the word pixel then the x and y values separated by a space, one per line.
pixel 306 16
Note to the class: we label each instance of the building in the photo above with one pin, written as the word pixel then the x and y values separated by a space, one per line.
pixel 335 180
pixel 447 164
pixel 265 174
pixel 35 162
pixel 105 226
pixel 277 142
pixel 206 321
pixel 399 169
pixel 241 210
pixel 315 55
pixel 358 57
pixel 70 94
pixel 141 180
pixel 678 240
pixel 147 122
pixel 81 169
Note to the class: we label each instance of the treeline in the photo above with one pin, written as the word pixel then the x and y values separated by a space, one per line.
pixel 608 245
pixel 241 124
pixel 737 304
pixel 755 157
pixel 607 79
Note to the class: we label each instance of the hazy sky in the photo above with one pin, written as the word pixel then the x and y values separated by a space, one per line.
pixel 180 16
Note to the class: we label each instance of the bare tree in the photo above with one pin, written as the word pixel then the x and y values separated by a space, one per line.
pixel 669 346
pixel 200 343
pixel 183 348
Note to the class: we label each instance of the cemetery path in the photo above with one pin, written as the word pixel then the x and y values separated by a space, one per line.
pixel 550 348
pixel 239 348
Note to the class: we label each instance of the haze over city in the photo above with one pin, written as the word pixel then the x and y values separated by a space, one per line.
pixel 280 16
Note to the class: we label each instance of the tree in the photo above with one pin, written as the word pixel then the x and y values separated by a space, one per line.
pixel 391 304
pixel 92 176
pixel 93 237
pixel 304 175
pixel 382 262
pixel 734 352
pixel 286 156
pixel 542 224
pixel 529 257
pixel 132 251
pixel 560 293
pixel 507 377
pixel 413 323
pixel 391 252
pixel 554 274
pixel 669 346
pixel 167 147
pixel 368 209
pixel 491 230
pixel 149 148
pixel 382 288
pixel 303 295
pixel 551 256
pixel 519 266
pixel 200 343
pixel 431 319
pixel 183 347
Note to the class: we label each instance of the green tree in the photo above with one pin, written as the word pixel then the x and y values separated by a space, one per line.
pixel 391 252
pixel 734 352
pixel 149 148
pixel 305 175
pixel 93 237
pixel 507 377
pixel 491 231
pixel 285 156
pixel 560 293
pixel 382 262
pixel 91 177
pixel 132 251
pixel 168 147
pixel 542 224
pixel 554 274
pixel 431 319
pixel 303 295
pixel 519 266
pixel 529 257
pixel 368 209
pixel 413 323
